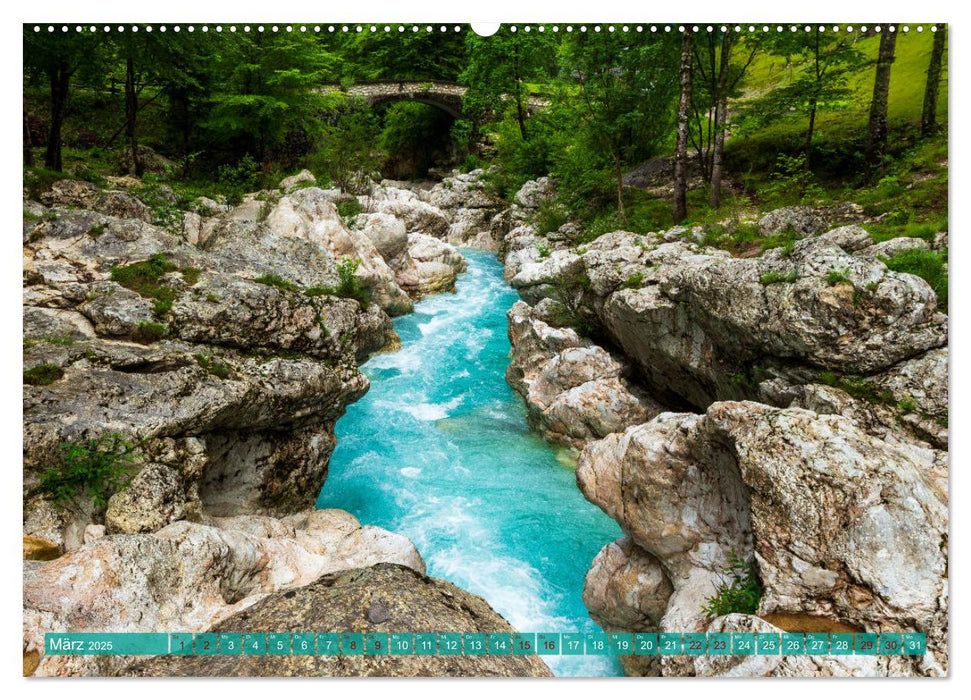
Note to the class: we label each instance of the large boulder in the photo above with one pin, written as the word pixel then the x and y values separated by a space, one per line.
pixel 806 220
pixel 469 208
pixel 574 390
pixel 188 576
pixel 381 599
pixel 842 525
pixel 437 264
pixel 130 330
pixel 419 216
pixel 699 325
pixel 309 214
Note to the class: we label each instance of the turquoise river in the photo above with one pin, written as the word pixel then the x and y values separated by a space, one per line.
pixel 439 450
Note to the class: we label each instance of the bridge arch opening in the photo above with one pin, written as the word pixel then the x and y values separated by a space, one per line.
pixel 416 136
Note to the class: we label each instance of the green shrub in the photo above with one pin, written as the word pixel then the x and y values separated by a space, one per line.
pixel 236 179
pixel 191 275
pixel 42 375
pixel 348 210
pixel 96 469
pixel 165 212
pixel 543 250
pixel 349 285
pixel 792 182
pixel 858 387
pixel 143 277
pixel 740 591
pixel 148 332
pixel 550 216
pixel 274 280
pixel 926 264
pixel 470 163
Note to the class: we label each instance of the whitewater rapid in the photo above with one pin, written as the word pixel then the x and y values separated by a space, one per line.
pixel 439 450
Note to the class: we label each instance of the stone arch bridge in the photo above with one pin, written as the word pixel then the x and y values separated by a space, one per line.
pixel 446 96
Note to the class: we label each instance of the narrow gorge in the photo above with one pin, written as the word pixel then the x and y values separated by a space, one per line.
pixel 706 412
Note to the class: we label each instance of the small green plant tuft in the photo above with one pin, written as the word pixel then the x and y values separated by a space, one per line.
pixel 96 469
pixel 835 277
pixel 907 404
pixel 214 368
pixel 777 277
pixel 148 332
pixel 42 375
pixel 274 280
pixel 191 275
pixel 635 281
pixel 543 249
pixel 740 591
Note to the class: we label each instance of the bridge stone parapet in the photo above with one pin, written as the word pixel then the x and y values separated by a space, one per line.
pixel 446 96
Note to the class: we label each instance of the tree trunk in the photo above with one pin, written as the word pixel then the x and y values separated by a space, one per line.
pixel 681 152
pixel 809 131
pixel 721 108
pixel 877 138
pixel 60 84
pixel 928 118
pixel 28 142
pixel 131 114
pixel 619 172
pixel 520 114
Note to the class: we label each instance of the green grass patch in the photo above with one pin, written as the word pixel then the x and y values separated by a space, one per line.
pixel 148 332
pixel 59 340
pixel 926 264
pixel 858 387
pixel 348 209
pixel 834 277
pixel 274 280
pixel 95 469
pixel 37 181
pixel 144 278
pixel 635 281
pixel 42 375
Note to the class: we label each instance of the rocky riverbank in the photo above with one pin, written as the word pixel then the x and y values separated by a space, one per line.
pixel 788 409
pixel 206 355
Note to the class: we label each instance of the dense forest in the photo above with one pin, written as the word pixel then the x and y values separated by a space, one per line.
pixel 728 119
